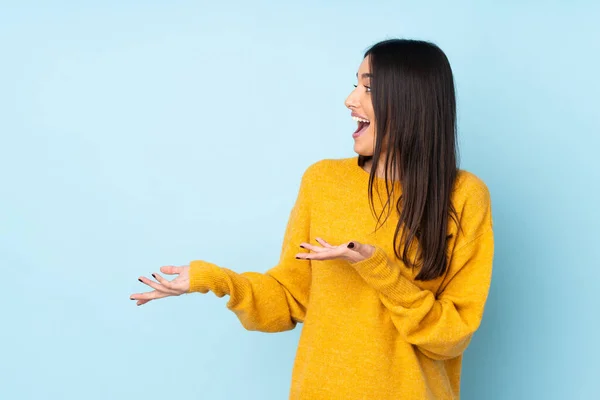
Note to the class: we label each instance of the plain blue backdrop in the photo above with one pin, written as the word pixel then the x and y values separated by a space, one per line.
pixel 136 134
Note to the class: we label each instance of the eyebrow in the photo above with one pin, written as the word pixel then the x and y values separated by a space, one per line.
pixel 365 75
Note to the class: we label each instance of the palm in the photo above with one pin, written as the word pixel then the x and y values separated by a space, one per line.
pixel 163 287
pixel 357 252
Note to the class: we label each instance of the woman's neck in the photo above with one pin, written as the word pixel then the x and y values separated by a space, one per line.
pixel 380 169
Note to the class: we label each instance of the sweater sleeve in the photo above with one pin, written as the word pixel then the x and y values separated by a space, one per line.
pixel 273 301
pixel 440 326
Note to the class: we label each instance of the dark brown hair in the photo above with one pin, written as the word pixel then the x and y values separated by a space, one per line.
pixel 412 90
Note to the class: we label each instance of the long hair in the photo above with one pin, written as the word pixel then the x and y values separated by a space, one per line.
pixel 412 90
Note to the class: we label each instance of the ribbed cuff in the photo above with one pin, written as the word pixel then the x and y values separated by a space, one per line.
pixel 205 276
pixel 386 277
pixel 378 257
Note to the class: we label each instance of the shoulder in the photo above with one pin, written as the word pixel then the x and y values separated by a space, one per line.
pixel 327 168
pixel 472 201
pixel 471 190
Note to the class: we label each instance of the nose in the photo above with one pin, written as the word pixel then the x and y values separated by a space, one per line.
pixel 351 101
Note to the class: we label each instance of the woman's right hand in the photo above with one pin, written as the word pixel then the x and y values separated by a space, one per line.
pixel 163 287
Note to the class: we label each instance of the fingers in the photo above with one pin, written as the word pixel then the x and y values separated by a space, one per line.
pixel 311 247
pixel 155 294
pixel 351 251
pixel 163 288
pixel 142 302
pixel 143 298
pixel 324 243
pixel 325 252
pixel 157 286
pixel 171 270
pixel 161 280
pixel 169 285
pixel 330 255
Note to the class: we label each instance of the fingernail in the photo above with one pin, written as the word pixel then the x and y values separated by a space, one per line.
pixel 154 276
pixel 302 246
pixel 351 245
pixel 140 280
pixel 297 257
pixel 131 298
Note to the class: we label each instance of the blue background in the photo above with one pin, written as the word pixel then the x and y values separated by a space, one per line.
pixel 139 134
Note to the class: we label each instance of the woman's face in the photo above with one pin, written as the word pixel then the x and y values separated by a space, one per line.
pixel 359 102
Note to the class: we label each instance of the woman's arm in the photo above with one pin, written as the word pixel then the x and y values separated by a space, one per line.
pixel 441 327
pixel 273 301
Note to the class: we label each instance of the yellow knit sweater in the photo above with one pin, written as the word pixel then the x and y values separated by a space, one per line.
pixel 370 330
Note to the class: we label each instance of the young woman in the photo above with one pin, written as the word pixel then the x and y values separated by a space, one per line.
pixel 391 287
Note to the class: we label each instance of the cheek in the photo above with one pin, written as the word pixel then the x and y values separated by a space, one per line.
pixel 369 136
pixel 372 130
pixel 368 105
pixel 372 136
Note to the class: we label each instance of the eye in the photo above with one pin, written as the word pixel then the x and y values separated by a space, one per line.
pixel 368 88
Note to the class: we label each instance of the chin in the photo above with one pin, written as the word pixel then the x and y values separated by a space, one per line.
pixel 362 150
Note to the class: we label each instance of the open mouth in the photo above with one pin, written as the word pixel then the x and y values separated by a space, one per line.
pixel 363 124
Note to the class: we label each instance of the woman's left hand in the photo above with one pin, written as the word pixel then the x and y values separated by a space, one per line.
pixel 350 251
